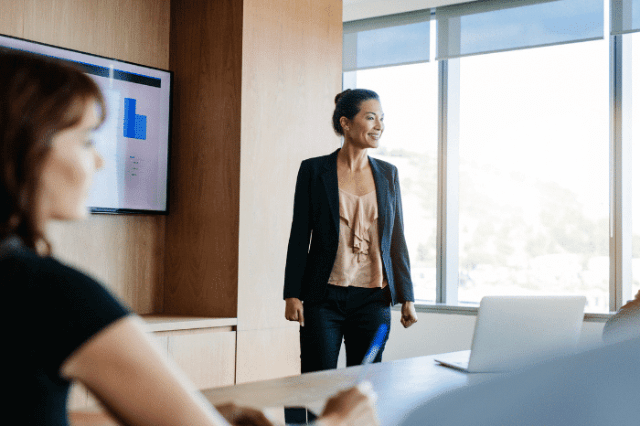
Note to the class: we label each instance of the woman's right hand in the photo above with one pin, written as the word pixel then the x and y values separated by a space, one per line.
pixel 354 406
pixel 293 310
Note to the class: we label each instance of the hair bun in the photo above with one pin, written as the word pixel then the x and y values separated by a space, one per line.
pixel 340 95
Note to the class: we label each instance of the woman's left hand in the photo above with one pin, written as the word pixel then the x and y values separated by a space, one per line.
pixel 409 316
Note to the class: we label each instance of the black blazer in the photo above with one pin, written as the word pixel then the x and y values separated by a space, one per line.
pixel 316 216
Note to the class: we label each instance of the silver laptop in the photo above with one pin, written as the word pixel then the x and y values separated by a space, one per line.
pixel 512 331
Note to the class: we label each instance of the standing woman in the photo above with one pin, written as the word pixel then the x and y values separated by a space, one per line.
pixel 68 326
pixel 347 259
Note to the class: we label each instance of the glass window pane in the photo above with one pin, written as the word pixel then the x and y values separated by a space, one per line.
pixel 381 41
pixel 389 46
pixel 492 26
pixel 409 98
pixel 635 161
pixel 534 173
pixel 625 16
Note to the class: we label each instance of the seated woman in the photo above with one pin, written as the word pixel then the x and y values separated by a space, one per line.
pixel 625 323
pixel 62 325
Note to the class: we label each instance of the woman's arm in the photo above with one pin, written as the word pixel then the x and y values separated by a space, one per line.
pixel 400 259
pixel 298 247
pixel 129 375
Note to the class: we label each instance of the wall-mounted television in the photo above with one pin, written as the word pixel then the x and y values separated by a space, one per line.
pixel 135 138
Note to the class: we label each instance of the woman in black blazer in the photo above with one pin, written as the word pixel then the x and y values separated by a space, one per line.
pixel 347 259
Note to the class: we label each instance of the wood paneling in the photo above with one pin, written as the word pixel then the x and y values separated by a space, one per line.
pixel 202 231
pixel 131 30
pixel 291 72
pixel 267 354
pixel 12 17
pixel 207 357
pixel 125 252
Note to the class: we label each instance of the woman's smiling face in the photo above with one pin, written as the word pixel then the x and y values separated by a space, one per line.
pixel 365 129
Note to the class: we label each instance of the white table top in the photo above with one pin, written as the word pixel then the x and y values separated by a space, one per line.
pixel 400 385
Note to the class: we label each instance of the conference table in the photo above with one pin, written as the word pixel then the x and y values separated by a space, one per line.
pixel 400 385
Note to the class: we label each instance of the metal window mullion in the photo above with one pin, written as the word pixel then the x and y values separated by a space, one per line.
pixel 447 265
pixel 620 254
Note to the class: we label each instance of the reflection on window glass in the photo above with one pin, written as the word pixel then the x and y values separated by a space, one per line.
pixel 534 177
pixel 409 99
pixel 635 161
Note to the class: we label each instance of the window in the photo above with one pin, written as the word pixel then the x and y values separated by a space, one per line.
pixel 409 98
pixel 634 40
pixel 534 169
pixel 534 123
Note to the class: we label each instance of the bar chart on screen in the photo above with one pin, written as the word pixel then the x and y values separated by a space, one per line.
pixel 135 125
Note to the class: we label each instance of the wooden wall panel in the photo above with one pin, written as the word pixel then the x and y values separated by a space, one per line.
pixel 202 231
pixel 207 357
pixel 125 252
pixel 131 30
pixel 12 17
pixel 267 354
pixel 291 72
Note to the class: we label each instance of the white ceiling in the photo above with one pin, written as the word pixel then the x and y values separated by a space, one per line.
pixel 361 9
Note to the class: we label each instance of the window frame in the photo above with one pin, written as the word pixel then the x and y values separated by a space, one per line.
pixel 620 196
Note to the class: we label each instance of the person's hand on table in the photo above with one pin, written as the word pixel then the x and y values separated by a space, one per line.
pixel 293 311
pixel 351 407
pixel 354 406
pixel 243 416
pixel 409 316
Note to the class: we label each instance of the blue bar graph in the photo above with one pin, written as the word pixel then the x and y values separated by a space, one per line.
pixel 135 125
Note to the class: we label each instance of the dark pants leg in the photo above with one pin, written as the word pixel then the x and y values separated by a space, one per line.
pixel 321 336
pixel 347 312
pixel 367 310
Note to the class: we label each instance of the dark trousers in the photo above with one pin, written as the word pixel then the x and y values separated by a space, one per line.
pixel 351 313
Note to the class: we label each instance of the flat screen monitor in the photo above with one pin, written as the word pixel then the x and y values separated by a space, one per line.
pixel 135 137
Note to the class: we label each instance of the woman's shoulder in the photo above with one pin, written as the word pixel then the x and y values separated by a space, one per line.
pixel 44 274
pixel 18 258
pixel 385 165
pixel 321 160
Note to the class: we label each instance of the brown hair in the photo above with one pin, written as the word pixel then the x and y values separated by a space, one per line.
pixel 348 105
pixel 39 97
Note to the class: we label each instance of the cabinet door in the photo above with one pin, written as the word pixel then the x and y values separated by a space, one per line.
pixel 208 357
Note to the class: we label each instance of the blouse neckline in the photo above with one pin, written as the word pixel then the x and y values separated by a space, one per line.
pixel 358 196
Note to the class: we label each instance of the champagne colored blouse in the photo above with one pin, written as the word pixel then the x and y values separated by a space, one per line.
pixel 358 262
